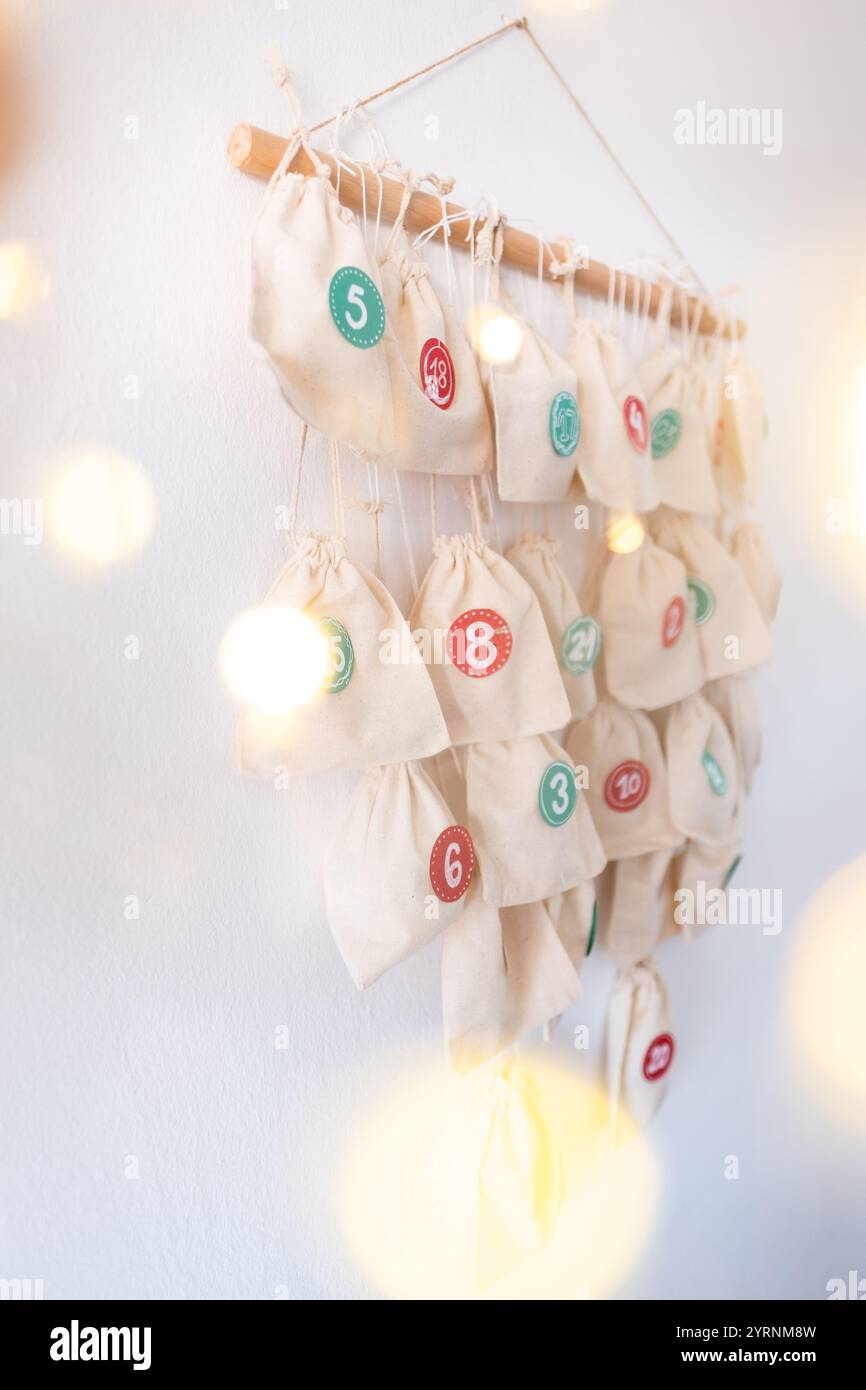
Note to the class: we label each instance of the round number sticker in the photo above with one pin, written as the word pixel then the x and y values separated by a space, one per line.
pixel 342 656
pixel 730 871
pixel 437 373
pixel 479 642
pixel 659 1056
pixel 564 423
pixel 635 416
pixel 452 863
pixel 667 427
pixel 580 645
pixel 672 624
pixel 626 786
pixel 703 600
pixel 716 778
pixel 356 307
pixel 592 927
pixel 557 793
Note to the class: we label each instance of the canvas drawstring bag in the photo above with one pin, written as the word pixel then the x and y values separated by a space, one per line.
pixel 734 698
pixel 731 629
pixel 483 635
pixel 628 785
pixel 316 308
pixel 574 636
pixel 637 909
pixel 441 421
pixel 651 652
pixel 504 973
pixel 574 915
pixel 368 710
pixel 639 1044
pixel 749 548
pixel 532 828
pixel 703 776
pixel 742 433
pixel 614 458
pixel 399 873
pixel 700 871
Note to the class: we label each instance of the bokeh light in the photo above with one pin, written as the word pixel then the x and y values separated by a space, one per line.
pixel 496 336
pixel 273 658
pixel 101 509
pixel 409 1190
pixel 825 1011
pixel 23 283
pixel 625 532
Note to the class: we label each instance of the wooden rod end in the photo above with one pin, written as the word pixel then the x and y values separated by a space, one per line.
pixel 240 146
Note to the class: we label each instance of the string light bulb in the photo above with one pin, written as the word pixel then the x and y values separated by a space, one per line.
pixel 625 532
pixel 23 283
pixel 101 508
pixel 274 658
pixel 497 336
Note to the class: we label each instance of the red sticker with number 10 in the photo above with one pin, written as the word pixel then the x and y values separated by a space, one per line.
pixel 626 786
pixel 479 642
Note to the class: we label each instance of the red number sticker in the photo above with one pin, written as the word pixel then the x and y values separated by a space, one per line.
pixel 659 1056
pixel 675 616
pixel 626 786
pixel 437 373
pixel 479 642
pixel 452 863
pixel 636 422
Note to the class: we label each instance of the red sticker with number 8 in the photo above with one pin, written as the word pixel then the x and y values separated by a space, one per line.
pixel 626 786
pixel 452 863
pixel 437 373
pixel 675 616
pixel 479 642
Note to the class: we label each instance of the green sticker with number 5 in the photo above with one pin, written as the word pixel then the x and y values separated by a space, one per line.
pixel 342 656
pixel 356 307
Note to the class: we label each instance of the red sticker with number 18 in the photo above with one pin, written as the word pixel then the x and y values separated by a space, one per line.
pixel 437 373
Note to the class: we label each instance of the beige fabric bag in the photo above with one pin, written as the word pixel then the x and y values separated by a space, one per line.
pixel 731 629
pixel 537 422
pixel 574 636
pixel 750 550
pixel 483 635
pixel 441 420
pixel 316 309
pixel 742 434
pixel 682 463
pixel 613 457
pixel 734 698
pixel 651 652
pixel 703 776
pixel 628 790
pixel 698 871
pixel 503 974
pixel 532 829
pixel 639 1044
pixel 369 711
pixel 399 871
pixel 638 908
pixel 574 915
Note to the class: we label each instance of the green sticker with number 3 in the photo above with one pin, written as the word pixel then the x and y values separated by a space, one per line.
pixel 356 307
pixel 557 793
pixel 342 656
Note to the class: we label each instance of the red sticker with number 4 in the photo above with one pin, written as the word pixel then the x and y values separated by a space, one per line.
pixel 437 373
pixel 479 642
pixel 675 616
pixel 636 422
pixel 659 1056
pixel 626 786
pixel 452 863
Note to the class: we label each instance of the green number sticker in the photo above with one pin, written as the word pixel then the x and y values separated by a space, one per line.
pixel 356 307
pixel 703 600
pixel 580 645
pixel 715 776
pixel 667 427
pixel 557 793
pixel 342 656
pixel 594 923
pixel 564 423
pixel 729 874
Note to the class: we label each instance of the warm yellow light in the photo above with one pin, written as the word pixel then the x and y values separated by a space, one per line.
pixel 825 994
pixel 274 657
pixel 409 1194
pixel 101 508
pixel 625 533
pixel 496 336
pixel 23 283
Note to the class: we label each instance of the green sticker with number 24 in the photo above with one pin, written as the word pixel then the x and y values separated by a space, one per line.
pixel 356 307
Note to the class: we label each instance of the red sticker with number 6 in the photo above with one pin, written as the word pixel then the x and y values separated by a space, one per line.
pixel 452 863
pixel 626 786
pixel 479 642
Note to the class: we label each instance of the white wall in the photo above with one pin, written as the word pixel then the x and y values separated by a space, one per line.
pixel 156 1038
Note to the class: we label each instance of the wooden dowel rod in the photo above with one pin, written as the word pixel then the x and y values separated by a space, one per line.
pixel 258 152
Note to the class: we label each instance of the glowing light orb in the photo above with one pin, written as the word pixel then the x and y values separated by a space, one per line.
pixel 624 533
pixel 273 658
pixel 101 508
pixel 496 336
pixel 23 283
